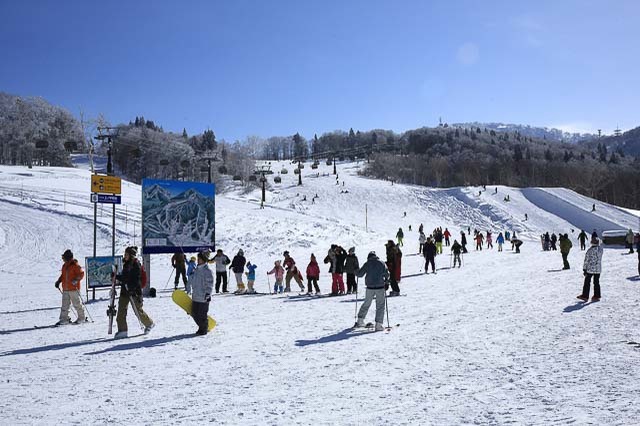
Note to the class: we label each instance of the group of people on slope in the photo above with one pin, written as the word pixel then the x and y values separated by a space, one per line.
pixel 237 266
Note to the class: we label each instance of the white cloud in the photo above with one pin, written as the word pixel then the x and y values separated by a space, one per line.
pixel 468 54
pixel 575 127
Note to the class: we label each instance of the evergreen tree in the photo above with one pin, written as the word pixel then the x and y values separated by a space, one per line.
pixel 184 133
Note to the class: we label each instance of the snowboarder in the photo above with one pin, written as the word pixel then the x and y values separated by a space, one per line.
pixel 500 241
pixel 430 251
pixel 421 239
pixel 516 243
pixel 463 242
pixel 237 266
pixel 400 236
pixel 313 274
pixel 221 260
pixel 592 268
pixel 351 266
pixel 292 272
pixel 565 247
pixel 375 280
pixel 582 237
pixel 191 267
pixel 70 277
pixel 446 235
pixel 456 249
pixel 278 270
pixel 394 264
pixel 251 277
pixel 202 287
pixel 130 291
pixel 630 241
pixel 178 261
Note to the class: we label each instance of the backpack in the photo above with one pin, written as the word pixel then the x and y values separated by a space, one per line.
pixel 143 275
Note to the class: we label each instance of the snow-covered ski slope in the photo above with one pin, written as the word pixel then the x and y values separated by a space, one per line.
pixel 500 340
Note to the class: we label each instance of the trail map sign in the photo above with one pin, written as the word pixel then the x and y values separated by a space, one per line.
pixel 177 216
pixel 99 270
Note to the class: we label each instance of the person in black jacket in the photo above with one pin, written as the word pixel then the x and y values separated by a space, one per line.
pixel 237 266
pixel 130 291
pixel 463 241
pixel 351 266
pixel 456 249
pixel 430 256
pixel 341 258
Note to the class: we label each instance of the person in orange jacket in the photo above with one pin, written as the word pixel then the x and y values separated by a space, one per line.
pixel 70 278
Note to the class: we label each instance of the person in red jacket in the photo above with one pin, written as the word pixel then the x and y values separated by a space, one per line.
pixel 292 272
pixel 447 235
pixel 313 274
pixel 70 278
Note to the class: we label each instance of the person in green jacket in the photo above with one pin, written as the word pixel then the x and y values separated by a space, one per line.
pixel 565 247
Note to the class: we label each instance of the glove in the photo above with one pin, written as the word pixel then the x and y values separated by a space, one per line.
pixel 584 272
pixel 207 298
pixel 57 284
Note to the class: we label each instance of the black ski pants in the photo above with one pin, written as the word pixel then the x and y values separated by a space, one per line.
pixel 352 286
pixel 312 282
pixel 565 261
pixel 393 282
pixel 180 271
pixel 429 260
pixel 199 311
pixel 221 276
pixel 587 285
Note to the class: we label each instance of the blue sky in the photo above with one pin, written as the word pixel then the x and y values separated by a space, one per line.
pixel 272 68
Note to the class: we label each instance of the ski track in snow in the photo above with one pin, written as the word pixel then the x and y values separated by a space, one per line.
pixel 499 341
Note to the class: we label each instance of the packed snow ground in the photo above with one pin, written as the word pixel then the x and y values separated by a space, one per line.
pixel 500 340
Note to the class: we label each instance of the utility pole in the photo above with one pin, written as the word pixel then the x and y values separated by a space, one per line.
pixel 334 165
pixel 299 173
pixel 262 170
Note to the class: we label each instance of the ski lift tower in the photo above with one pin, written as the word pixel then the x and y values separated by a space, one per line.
pixel 262 170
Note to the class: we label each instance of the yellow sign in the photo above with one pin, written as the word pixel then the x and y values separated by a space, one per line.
pixel 106 184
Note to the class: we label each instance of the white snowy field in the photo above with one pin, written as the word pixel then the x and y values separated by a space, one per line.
pixel 500 340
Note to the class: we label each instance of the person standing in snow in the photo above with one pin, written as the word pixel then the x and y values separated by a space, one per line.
pixel 629 239
pixel 489 240
pixel 446 235
pixel 251 277
pixel 500 241
pixel 292 272
pixel 202 287
pixel 221 260
pixel 130 291
pixel 430 251
pixel 278 270
pixel 565 247
pixel 191 268
pixel 70 277
pixel 400 236
pixel 178 261
pixel 237 266
pixel 456 249
pixel 582 237
pixel 394 264
pixel 313 275
pixel 554 240
pixel 637 240
pixel 438 237
pixel 507 235
pixel 592 268
pixel 376 277
pixel 341 258
pixel 351 266
pixel 463 242
pixel 479 238
pixel 421 228
pixel 421 239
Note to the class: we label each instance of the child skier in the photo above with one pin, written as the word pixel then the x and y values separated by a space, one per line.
pixel 191 268
pixel 278 270
pixel 251 277
pixel 313 274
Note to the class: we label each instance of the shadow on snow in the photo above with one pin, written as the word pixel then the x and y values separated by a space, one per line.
pixel 345 334
pixel 143 344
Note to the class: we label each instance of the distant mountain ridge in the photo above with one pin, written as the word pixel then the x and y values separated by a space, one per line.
pixel 531 131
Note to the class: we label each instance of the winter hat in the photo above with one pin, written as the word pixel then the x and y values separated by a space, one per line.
pixel 204 255
pixel 67 255
pixel 372 255
pixel 286 253
pixel 219 251
pixel 193 259
pixel 131 251
pixel 352 250
pixel 240 252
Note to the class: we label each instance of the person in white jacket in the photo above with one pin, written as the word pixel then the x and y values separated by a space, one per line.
pixel 592 268
pixel 201 287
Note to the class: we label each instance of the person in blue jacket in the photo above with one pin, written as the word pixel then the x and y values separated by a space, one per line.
pixel 251 277
pixel 500 241
pixel 191 268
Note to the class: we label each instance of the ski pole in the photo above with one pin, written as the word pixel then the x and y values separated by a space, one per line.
pixel 269 284
pixel 356 312
pixel 86 311
pixel 71 307
pixel 170 275
pixel 386 304
pixel 135 308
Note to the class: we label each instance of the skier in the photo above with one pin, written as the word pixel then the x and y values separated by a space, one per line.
pixel 202 286
pixel 330 258
pixel 507 235
pixel 430 251
pixel 221 260
pixel 554 239
pixel 547 242
pixel 489 240
pixel 237 266
pixel 593 209
pixel 400 236
pixel 191 267
pixel 582 237
pixel 421 228
pixel 516 243
pixel 463 242
pixel 592 268
pixel 526 217
pixel 278 270
pixel 479 238
pixel 130 291
pixel 292 272
pixel 630 241
pixel 251 277
pixel 456 248
pixel 565 247
pixel 341 258
pixel 438 237
pixel 313 274
pixel 394 264
pixel 447 235
pixel 70 277
pixel 375 280
pixel 178 261
pixel 421 239
pixel 351 266
pixel 500 241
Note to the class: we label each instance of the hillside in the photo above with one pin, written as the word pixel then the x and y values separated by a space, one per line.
pixel 500 340
pixel 531 131
pixel 628 142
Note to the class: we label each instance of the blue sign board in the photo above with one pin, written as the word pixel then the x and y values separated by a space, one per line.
pixel 104 198
pixel 177 216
